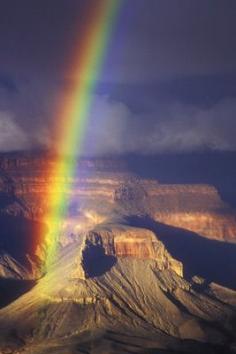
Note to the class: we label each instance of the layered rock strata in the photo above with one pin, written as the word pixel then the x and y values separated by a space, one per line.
pixel 124 241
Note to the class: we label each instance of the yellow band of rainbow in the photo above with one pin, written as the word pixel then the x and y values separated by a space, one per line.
pixel 73 116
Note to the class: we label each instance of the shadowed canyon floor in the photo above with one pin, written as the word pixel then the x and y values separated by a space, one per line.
pixel 143 267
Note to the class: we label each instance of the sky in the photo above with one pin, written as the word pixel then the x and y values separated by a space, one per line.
pixel 168 83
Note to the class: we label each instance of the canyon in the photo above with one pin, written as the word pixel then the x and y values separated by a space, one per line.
pixel 195 207
pixel 142 267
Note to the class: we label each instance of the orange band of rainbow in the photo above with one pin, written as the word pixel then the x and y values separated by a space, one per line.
pixel 73 116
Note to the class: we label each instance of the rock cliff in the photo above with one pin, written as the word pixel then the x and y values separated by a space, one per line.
pixel 104 186
pixel 124 241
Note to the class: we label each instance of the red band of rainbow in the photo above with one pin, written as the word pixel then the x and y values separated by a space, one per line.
pixel 74 113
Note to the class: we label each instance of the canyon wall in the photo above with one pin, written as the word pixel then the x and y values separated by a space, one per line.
pixel 104 188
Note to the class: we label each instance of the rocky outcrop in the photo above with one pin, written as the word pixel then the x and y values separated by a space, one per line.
pixel 11 269
pixel 197 208
pixel 213 225
pixel 179 197
pixel 124 241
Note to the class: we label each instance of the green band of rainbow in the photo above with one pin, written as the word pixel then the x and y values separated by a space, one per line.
pixel 74 113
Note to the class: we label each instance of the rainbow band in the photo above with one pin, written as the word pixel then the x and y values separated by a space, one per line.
pixel 75 112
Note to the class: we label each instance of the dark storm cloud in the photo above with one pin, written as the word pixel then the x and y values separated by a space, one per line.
pixel 155 38
pixel 168 84
pixel 164 39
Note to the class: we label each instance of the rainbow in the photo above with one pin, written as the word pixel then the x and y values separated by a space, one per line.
pixel 73 115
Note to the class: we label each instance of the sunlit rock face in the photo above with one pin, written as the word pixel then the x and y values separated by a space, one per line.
pixel 11 269
pixel 196 208
pixel 124 241
pixel 213 225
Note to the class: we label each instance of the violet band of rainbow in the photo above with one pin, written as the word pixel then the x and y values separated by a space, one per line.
pixel 74 113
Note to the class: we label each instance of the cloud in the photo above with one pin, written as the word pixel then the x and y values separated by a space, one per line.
pixel 190 128
pixel 172 127
pixel 12 136
pixel 113 128
pixel 106 126
pixel 153 39
pixel 160 41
